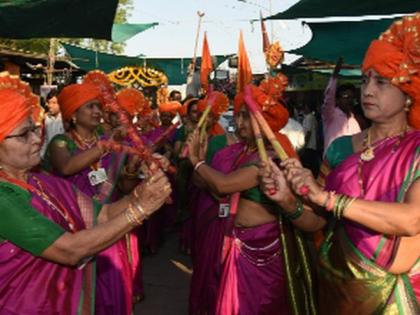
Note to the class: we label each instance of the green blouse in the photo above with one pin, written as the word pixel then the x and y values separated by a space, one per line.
pixel 339 150
pixel 21 224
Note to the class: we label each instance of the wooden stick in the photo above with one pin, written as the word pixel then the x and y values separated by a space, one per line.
pixel 254 109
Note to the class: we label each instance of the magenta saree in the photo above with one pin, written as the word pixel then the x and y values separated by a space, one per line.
pixel 209 231
pixel 117 266
pixel 30 284
pixel 354 259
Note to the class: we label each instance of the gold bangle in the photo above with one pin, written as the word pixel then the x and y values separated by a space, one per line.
pixel 347 206
pixel 130 218
pixel 134 214
pixel 140 209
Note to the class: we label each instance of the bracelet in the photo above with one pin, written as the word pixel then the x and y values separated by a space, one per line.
pixel 298 211
pixel 130 217
pixel 140 209
pixel 342 202
pixel 133 213
pixel 198 165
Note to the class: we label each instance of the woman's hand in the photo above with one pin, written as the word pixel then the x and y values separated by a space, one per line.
pixel 164 162
pixel 152 193
pixel 274 185
pixel 193 143
pixel 202 148
pixel 298 177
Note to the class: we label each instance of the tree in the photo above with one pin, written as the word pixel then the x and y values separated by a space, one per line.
pixel 42 45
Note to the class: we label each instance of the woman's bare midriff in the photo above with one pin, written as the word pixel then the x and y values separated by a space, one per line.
pixel 407 255
pixel 250 214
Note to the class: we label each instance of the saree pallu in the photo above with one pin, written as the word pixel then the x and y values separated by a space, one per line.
pixel 354 260
pixel 253 280
pixel 32 285
pixel 209 231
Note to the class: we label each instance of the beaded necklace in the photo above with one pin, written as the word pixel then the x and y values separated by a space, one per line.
pixel 51 200
pixel 86 144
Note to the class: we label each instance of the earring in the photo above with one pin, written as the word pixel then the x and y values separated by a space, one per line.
pixel 408 104
pixel 74 120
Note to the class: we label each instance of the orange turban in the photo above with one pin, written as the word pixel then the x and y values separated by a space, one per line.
pixel 172 107
pixel 396 56
pixel 16 103
pixel 274 113
pixel 133 101
pixel 220 104
pixel 74 96
pixel 184 109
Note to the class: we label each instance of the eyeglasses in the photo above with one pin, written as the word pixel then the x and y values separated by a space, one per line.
pixel 25 135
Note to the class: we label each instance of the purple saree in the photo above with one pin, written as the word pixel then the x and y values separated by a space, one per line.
pixel 354 259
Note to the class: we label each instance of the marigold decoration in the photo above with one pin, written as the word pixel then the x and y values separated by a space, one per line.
pixel 275 86
pixel 396 56
pixel 274 55
pixel 16 102
pixel 143 76
pixel 133 101
pixel 162 95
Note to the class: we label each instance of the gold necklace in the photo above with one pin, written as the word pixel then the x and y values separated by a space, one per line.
pixel 368 154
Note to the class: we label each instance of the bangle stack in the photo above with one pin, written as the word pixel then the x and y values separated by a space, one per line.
pixel 132 217
pixel 298 211
pixel 341 204
pixel 198 165
pixel 140 209
pixel 135 214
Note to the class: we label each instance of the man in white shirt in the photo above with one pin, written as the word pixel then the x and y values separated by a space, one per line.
pixel 53 121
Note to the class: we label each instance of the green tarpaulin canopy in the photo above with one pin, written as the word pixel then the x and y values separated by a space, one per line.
pixel 347 39
pixel 123 32
pixel 23 19
pixel 176 69
pixel 323 8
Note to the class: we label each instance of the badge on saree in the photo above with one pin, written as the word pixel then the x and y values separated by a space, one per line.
pixel 97 177
pixel 224 208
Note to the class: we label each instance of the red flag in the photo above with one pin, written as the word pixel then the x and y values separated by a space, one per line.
pixel 206 64
pixel 266 41
pixel 244 67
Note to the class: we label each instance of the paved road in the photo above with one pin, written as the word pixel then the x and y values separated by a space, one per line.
pixel 166 280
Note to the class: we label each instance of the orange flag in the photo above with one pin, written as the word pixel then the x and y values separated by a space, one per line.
pixel 206 64
pixel 244 67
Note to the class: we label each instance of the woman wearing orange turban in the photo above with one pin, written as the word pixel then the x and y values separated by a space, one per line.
pixel 50 230
pixel 238 269
pixel 370 259
pixel 79 157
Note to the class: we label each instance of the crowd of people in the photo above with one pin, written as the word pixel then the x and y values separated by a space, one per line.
pixel 332 229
